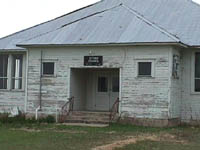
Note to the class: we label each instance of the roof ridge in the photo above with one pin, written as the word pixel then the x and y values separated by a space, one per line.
pixel 99 12
pixel 52 19
pixel 162 30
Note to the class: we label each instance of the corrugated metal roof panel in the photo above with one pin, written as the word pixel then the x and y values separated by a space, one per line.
pixel 116 25
pixel 9 41
pixel 179 17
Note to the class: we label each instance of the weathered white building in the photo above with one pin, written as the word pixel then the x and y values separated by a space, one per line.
pixel 144 52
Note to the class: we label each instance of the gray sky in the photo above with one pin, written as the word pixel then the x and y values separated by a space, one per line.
pixel 16 15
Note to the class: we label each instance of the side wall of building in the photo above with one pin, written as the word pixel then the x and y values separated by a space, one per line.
pixel 175 77
pixel 190 110
pixel 146 97
pixel 10 98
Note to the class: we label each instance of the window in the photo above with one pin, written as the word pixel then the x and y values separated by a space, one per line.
pixel 115 84
pixel 197 72
pixel 11 68
pixel 3 71
pixel 17 63
pixel 48 68
pixel 144 68
pixel 102 84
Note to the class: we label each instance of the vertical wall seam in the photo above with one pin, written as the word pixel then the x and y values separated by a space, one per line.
pixel 26 89
pixel 169 83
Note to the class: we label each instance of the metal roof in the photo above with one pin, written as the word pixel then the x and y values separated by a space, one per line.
pixel 9 42
pixel 179 17
pixel 115 21
pixel 116 25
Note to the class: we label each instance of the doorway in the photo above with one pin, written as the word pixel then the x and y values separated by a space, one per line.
pixel 94 89
pixel 107 90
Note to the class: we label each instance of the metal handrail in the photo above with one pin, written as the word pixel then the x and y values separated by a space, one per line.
pixel 66 109
pixel 114 110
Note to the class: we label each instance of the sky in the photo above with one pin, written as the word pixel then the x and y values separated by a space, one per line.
pixel 16 15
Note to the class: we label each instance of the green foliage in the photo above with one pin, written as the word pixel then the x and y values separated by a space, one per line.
pixel 5 119
pixel 21 119
pixel 48 119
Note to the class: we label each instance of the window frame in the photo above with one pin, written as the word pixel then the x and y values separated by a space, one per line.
pixel 55 68
pixel 193 73
pixel 7 77
pixel 13 79
pixel 10 69
pixel 152 61
pixel 112 77
pixel 107 78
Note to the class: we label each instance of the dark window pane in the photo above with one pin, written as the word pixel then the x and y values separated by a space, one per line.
pixel 48 68
pixel 144 68
pixel 3 65
pixel 115 84
pixel 3 71
pixel 197 85
pixel 102 84
pixel 16 83
pixel 3 83
pixel 197 65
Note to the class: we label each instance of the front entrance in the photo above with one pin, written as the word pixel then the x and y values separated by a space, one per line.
pixel 94 89
pixel 107 90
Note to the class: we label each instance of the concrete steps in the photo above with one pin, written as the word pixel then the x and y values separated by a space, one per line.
pixel 88 117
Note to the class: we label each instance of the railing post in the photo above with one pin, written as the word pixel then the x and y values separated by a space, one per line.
pixel 66 109
pixel 114 109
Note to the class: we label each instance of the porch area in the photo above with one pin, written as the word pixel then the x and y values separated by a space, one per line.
pixel 94 90
pixel 95 96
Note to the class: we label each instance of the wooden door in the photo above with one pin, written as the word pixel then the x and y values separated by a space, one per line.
pixel 107 90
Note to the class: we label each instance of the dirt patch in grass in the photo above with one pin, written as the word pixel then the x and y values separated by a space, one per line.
pixel 134 140
pixel 72 132
pixel 50 129
pixel 26 130
pixel 112 132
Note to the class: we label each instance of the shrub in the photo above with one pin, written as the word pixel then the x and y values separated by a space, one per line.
pixel 48 119
pixel 4 118
pixel 21 118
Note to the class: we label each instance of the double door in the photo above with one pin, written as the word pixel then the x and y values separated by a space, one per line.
pixel 107 90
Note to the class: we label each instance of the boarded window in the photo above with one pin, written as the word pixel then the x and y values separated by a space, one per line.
pixel 102 84
pixel 3 71
pixel 48 68
pixel 144 68
pixel 197 72
pixel 17 66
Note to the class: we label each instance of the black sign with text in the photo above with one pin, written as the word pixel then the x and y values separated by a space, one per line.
pixel 93 60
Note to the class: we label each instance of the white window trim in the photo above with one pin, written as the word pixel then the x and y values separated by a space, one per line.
pixel 55 67
pixel 23 71
pixel 152 68
pixel 193 92
pixel 9 76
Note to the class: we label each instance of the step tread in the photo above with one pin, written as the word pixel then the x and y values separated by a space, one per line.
pixel 87 121
pixel 88 117
pixel 90 112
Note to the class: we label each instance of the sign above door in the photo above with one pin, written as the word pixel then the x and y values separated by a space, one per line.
pixel 93 60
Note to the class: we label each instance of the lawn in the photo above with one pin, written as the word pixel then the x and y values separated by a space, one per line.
pixel 116 137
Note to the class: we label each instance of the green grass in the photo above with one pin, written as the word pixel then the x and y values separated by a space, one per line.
pixel 150 145
pixel 61 137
